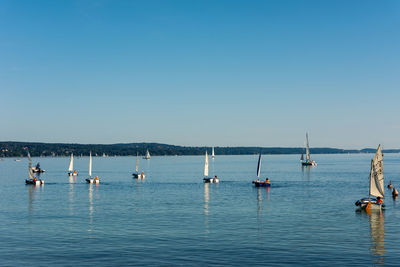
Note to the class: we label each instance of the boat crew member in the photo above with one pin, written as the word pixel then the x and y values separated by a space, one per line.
pixel 379 200
pixel 267 181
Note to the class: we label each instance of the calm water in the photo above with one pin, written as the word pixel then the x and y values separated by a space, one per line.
pixel 307 217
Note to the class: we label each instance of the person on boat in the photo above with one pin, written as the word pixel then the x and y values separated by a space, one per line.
pixel 96 178
pixel 267 181
pixel 379 200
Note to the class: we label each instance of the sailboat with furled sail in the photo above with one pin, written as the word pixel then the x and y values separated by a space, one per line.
pixel 257 182
pixel 212 153
pixel 71 171
pixel 91 180
pixel 308 161
pixel 138 175
pixel 376 184
pixel 32 179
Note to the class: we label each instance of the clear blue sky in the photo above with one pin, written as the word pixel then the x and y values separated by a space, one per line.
pixel 223 73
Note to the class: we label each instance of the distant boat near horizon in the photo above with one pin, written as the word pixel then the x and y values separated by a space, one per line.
pixel 308 161
pixel 147 156
pixel 212 153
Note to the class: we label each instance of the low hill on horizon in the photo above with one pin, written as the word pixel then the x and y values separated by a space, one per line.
pixel 17 149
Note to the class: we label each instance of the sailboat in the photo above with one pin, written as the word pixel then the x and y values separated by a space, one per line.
pixel 147 155
pixel 90 179
pixel 257 182
pixel 308 161
pixel 207 179
pixel 376 185
pixel 138 175
pixel 212 153
pixel 32 179
pixel 71 171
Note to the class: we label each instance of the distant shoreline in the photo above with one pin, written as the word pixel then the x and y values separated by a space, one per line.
pixel 36 149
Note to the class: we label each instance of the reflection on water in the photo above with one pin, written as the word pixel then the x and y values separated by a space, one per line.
pixel 306 172
pixel 71 195
pixel 206 205
pixel 32 189
pixel 260 192
pixel 92 187
pixel 377 225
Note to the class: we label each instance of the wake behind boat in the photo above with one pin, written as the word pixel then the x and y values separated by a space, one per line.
pixel 258 182
pixel 91 180
pixel 376 184
pixel 308 161
pixel 136 174
pixel 32 179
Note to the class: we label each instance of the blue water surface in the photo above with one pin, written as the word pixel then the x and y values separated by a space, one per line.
pixel 307 217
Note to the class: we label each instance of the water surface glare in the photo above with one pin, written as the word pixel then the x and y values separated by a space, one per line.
pixel 307 217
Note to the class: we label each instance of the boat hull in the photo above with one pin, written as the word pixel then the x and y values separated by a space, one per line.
pixel 261 184
pixel 92 181
pixel 362 203
pixel 138 175
pixel 34 182
pixel 309 163
pixel 211 180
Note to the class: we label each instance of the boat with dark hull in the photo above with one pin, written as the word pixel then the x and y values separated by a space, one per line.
pixel 137 174
pixel 258 182
pixel 307 161
pixel 33 180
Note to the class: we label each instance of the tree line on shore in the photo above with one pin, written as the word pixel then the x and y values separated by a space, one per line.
pixel 18 149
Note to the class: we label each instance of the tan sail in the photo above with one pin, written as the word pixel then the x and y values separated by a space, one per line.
pixel 376 185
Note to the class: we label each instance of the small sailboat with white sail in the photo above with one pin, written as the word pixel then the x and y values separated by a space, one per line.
pixel 136 174
pixel 376 184
pixel 71 171
pixel 147 156
pixel 91 180
pixel 308 161
pixel 212 153
pixel 207 179
pixel 258 182
pixel 32 179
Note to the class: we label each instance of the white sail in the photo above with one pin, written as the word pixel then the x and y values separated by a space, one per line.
pixel 376 186
pixel 137 162
pixel 307 149
pixel 212 153
pixel 147 155
pixel 206 166
pixel 71 163
pixel 30 166
pixel 259 166
pixel 90 164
